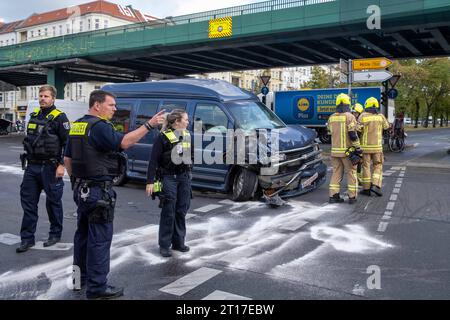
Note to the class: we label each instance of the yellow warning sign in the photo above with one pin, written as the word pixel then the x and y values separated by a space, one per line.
pixel 221 27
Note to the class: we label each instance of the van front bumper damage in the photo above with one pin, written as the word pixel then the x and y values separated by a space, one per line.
pixel 301 170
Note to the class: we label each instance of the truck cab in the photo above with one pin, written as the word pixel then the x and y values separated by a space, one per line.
pixel 217 109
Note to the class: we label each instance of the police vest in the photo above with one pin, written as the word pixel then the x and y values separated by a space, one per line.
pixel 87 162
pixel 181 145
pixel 40 144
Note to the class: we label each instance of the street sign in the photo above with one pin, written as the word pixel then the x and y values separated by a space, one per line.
pixel 370 64
pixel 393 81
pixel 371 76
pixel 265 80
pixel 392 93
pixel 264 91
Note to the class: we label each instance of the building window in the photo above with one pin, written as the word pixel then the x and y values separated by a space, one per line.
pixel 1 43
pixel 12 41
pixel 89 24
pixel 60 30
pixel 106 24
pixel 39 32
pixel 81 26
pixel 31 34
pixel 46 32
pixel 54 31
pixel 7 42
pixel 97 24
pixel 1 97
pixel 97 87
pixel 67 28
pixel 80 90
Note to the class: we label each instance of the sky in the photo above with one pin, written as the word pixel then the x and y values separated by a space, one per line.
pixel 21 9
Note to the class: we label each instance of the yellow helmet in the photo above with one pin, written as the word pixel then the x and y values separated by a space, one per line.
pixel 371 103
pixel 342 98
pixel 358 108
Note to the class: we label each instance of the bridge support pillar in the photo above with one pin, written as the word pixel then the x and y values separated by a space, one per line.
pixel 55 77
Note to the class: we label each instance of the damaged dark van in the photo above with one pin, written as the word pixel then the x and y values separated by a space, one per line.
pixel 221 108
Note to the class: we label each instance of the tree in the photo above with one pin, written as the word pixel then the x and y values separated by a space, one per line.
pixel 319 78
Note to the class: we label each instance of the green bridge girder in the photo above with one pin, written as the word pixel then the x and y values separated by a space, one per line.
pixel 277 33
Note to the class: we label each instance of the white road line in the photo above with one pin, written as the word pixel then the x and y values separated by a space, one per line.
pixel 399 180
pixel 228 201
pixel 9 239
pixel 222 295
pixel 393 197
pixel 387 174
pixel 390 205
pixel 388 213
pixel 402 174
pixel 398 185
pixel 235 255
pixel 189 216
pixel 208 208
pixel 382 226
pixel 295 226
pixel 56 247
pixel 396 190
pixel 385 217
pixel 190 281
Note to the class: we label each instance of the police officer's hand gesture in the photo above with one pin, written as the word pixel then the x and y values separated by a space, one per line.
pixel 157 119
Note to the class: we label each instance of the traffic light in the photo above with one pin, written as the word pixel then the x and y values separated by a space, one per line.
pixel 384 99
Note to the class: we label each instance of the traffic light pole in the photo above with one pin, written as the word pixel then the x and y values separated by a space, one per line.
pixel 385 98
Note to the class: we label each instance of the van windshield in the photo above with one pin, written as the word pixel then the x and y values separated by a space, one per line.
pixel 250 115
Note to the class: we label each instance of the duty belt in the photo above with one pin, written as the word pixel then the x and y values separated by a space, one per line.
pixel 93 183
pixel 43 162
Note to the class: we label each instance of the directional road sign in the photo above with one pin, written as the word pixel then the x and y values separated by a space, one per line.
pixel 371 76
pixel 371 63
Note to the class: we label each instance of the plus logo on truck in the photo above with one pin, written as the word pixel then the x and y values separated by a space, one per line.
pixel 305 107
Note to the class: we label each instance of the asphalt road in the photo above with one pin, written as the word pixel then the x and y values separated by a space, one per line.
pixel 391 247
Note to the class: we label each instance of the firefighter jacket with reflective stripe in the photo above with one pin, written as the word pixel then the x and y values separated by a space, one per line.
pixel 41 142
pixel 87 162
pixel 176 148
pixel 372 126
pixel 339 125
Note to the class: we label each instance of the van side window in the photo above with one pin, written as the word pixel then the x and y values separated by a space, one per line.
pixel 145 111
pixel 171 105
pixel 121 118
pixel 213 119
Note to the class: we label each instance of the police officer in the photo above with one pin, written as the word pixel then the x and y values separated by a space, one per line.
pixel 343 128
pixel 47 133
pixel 373 123
pixel 172 158
pixel 93 159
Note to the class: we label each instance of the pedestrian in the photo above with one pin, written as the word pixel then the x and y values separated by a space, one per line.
pixel 170 162
pixel 44 144
pixel 373 123
pixel 342 126
pixel 93 160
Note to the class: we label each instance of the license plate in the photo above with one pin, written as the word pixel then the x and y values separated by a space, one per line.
pixel 310 180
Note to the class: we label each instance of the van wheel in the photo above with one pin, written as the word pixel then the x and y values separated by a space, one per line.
pixel 122 178
pixel 324 137
pixel 244 185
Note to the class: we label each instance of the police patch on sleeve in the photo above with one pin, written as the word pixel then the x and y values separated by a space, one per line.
pixel 66 125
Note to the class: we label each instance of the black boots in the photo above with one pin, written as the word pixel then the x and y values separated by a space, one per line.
pixel 336 198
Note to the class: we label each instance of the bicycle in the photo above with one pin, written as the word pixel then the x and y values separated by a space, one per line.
pixel 397 141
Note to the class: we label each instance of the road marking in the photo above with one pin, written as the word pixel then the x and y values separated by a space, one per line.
pixel 396 190
pixel 393 197
pixel 227 201
pixel 190 281
pixel 56 247
pixel 385 217
pixel 390 205
pixel 295 226
pixel 399 180
pixel 387 173
pixel 235 255
pixel 189 216
pixel 402 174
pixel 398 185
pixel 382 226
pixel 9 239
pixel 222 295
pixel 208 208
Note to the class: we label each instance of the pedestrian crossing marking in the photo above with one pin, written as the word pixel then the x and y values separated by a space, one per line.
pixel 208 208
pixel 222 295
pixel 190 281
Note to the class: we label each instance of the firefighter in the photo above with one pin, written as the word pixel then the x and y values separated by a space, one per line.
pixel 342 126
pixel 172 158
pixel 372 125
pixel 356 111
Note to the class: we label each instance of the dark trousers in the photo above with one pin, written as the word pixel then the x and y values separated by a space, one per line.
pixel 92 242
pixel 176 192
pixel 35 179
